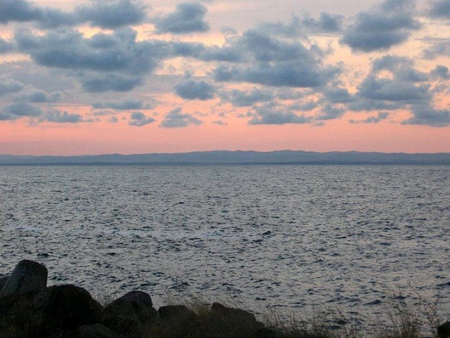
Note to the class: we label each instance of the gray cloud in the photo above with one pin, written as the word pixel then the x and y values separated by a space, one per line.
pixel 18 10
pixel 427 115
pixel 439 48
pixel 286 74
pixel 195 90
pixel 271 61
pixel 57 116
pixel 18 110
pixel 239 98
pixel 386 26
pixel 24 11
pixel 112 14
pixel 6 46
pixel 337 95
pixel 175 119
pixel 441 72
pixel 272 114
pixel 326 23
pixel 102 62
pixel 8 86
pixel 139 119
pixel 440 9
pixel 373 119
pixel 330 112
pixel 400 67
pixel 189 17
pixel 126 104
pixel 40 96
pixel 393 90
pixel 104 14
pixel 301 27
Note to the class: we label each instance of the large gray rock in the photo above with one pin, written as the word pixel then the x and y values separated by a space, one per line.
pixel 3 280
pixel 444 330
pixel 129 312
pixel 65 307
pixel 27 276
pixel 89 331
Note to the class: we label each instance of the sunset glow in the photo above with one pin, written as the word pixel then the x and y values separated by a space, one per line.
pixel 125 76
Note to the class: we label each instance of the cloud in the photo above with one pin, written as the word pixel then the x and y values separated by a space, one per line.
pixel 429 116
pixel 139 119
pixel 18 10
pixel 102 62
pixel 400 67
pixel 273 62
pixel 271 114
pixel 239 98
pixel 190 89
pixel 326 23
pixel 301 27
pixel 6 46
pixel 189 17
pixel 388 25
pixel 8 86
pixel 112 14
pixel 337 95
pixel 220 123
pixel 18 110
pixel 126 104
pixel 175 119
pixel 57 116
pixel 24 11
pixel 392 90
pixel 440 48
pixel 373 119
pixel 40 96
pixel 440 9
pixel 441 72
pixel 330 112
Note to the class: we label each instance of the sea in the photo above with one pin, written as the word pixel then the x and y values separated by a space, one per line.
pixel 263 237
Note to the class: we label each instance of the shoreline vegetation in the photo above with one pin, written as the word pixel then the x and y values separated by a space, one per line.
pixel 30 309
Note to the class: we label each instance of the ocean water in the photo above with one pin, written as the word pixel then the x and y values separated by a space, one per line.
pixel 291 237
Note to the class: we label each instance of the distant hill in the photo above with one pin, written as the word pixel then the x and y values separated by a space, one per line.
pixel 235 157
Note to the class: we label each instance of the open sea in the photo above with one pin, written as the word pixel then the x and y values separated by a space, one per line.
pixel 290 237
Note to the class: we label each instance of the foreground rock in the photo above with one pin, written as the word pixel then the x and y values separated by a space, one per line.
pixel 27 276
pixel 129 312
pixel 444 330
pixel 89 331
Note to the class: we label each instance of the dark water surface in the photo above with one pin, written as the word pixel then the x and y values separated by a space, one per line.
pixel 285 236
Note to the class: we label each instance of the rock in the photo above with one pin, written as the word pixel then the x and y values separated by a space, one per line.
pixel 3 280
pixel 127 313
pixel 172 311
pixel 235 314
pixel 65 307
pixel 89 331
pixel 265 333
pixel 27 276
pixel 444 330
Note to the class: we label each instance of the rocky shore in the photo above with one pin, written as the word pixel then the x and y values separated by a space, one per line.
pixel 31 309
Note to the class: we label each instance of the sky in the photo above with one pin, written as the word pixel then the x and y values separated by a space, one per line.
pixel 131 76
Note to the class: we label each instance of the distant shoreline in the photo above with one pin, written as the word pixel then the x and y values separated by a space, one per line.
pixel 285 157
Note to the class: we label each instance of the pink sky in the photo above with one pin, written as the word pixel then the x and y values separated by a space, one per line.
pixel 170 76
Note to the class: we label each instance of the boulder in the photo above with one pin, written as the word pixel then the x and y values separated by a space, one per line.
pixel 88 331
pixel 65 307
pixel 129 312
pixel 234 314
pixel 3 280
pixel 444 330
pixel 27 276
pixel 175 311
